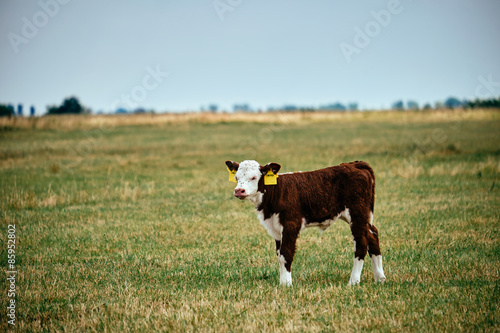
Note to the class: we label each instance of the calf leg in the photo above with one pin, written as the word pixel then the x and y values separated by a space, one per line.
pixel 286 252
pixel 374 251
pixel 358 229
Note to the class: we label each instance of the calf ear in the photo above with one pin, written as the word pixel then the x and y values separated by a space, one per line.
pixel 233 166
pixel 274 167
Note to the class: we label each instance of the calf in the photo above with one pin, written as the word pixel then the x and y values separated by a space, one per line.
pixel 293 201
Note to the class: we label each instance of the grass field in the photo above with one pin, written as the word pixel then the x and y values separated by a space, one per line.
pixel 129 224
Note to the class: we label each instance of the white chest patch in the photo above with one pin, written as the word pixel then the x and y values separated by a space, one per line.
pixel 272 225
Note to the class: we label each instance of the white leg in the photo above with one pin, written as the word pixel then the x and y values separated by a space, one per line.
pixel 356 272
pixel 285 276
pixel 378 270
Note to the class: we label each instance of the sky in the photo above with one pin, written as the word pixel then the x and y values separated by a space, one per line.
pixel 178 56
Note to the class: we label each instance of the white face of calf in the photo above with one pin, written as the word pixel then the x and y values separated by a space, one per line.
pixel 248 176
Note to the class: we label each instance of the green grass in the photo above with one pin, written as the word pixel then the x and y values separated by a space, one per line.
pixel 134 227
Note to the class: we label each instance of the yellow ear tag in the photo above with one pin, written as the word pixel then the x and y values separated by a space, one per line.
pixel 232 173
pixel 270 178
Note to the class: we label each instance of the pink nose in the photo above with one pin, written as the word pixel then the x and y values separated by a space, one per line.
pixel 239 192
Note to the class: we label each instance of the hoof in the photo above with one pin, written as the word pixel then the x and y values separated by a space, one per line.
pixel 353 283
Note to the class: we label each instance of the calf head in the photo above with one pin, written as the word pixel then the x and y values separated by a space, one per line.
pixel 250 177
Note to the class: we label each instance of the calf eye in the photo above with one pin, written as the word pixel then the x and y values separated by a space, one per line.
pixel 254 178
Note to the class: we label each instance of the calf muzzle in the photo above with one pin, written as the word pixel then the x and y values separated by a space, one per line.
pixel 240 193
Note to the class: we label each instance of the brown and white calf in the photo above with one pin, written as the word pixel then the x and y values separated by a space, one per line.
pixel 313 199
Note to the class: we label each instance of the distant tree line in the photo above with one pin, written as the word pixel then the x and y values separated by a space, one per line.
pixel 72 105
pixel 9 111
pixel 338 107
pixel 483 103
pixel 6 110
pixel 449 103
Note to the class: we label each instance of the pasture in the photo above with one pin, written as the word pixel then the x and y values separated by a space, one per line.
pixel 129 223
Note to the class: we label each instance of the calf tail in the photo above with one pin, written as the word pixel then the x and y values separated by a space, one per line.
pixel 365 166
